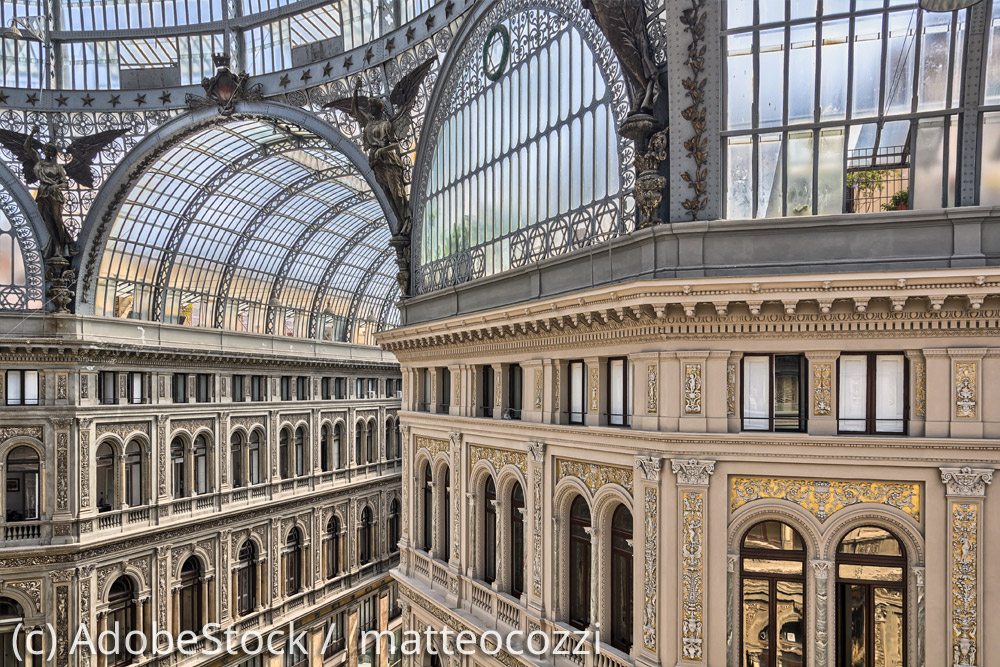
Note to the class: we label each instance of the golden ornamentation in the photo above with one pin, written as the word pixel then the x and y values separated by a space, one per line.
pixel 823 498
pixel 649 584
pixel 920 390
pixel 731 390
pixel 434 446
pixel 594 475
pixel 558 390
pixel 499 458
pixel 539 384
pixel 965 390
pixel 822 390
pixel 595 378
pixel 693 575
pixel 964 583
pixel 692 389
pixel 652 390
pixel 458 388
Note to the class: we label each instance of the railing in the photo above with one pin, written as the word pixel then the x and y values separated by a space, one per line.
pixel 181 507
pixel 302 484
pixel 204 502
pixel 606 658
pixel 140 515
pixel 288 485
pixel 420 563
pixel 439 575
pixel 239 495
pixel 109 520
pixel 508 613
pixel 22 530
pixel 259 491
pixel 482 597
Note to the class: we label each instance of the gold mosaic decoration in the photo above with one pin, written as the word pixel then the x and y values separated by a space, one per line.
pixel 824 498
pixel 964 583
pixel 499 458
pixel 593 475
pixel 434 446
pixel 692 389
pixel 822 390
pixel 652 390
pixel 920 390
pixel 965 390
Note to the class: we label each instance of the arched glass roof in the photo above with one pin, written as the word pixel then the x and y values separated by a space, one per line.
pixel 252 225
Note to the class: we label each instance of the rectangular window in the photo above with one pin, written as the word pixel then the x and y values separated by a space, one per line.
pixel 324 386
pixel 373 388
pixel 179 388
pixel 515 378
pixel 333 636
pixel 577 391
pixel 302 388
pixel 238 395
pixel 286 388
pixel 445 389
pixel 340 388
pixel 258 384
pixel 107 388
pixel 203 392
pixel 359 388
pixel 428 374
pixel 22 387
pixel 487 398
pixel 136 388
pixel 367 616
pixel 619 393
pixel 872 393
pixel 774 393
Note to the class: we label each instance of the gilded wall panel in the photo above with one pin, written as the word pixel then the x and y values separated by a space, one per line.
pixel 823 498
pixel 499 458
pixel 594 475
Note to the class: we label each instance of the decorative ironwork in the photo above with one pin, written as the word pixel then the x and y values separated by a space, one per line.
pixel 225 88
pixel 823 498
pixel 694 86
pixel 495 64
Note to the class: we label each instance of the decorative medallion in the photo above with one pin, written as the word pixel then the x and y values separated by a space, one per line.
pixel 692 389
pixel 920 389
pixel 652 390
pixel 965 390
pixel 822 390
pixel 692 581
pixel 594 475
pixel 499 458
pixel 496 52
pixel 823 498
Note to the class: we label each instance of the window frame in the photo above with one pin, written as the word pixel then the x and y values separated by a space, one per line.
pixel 871 391
pixel 803 394
pixel 102 388
pixel 626 388
pixel 22 376
pixel 571 389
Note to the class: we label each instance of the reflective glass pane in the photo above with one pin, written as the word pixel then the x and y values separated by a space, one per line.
pixel 756 623
pixel 772 566
pixel 889 627
pixel 788 607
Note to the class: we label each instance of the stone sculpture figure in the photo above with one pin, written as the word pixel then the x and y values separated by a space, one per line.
pixel 623 23
pixel 383 123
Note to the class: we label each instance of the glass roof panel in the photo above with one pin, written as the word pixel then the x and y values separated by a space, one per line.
pixel 247 226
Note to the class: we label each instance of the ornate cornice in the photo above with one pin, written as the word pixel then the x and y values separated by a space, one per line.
pixel 967 481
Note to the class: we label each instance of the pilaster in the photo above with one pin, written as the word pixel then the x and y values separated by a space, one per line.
pixel 646 387
pixel 597 391
pixel 967 406
pixel 535 571
pixel 734 379
pixel 965 489
pixel 693 411
pixel 646 594
pixel 938 421
pixel 716 416
pixel 693 477
pixel 917 396
pixel 822 392
pixel 533 393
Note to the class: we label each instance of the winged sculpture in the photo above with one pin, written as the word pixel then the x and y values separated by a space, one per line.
pixel 40 164
pixel 624 24
pixel 383 123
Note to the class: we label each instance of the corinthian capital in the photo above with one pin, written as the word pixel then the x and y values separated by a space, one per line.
pixel 966 481
pixel 693 472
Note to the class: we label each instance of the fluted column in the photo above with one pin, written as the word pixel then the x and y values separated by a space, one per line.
pixel 693 477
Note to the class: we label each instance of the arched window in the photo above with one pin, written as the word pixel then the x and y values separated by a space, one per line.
pixel 254 462
pixel 190 596
pixel 201 464
pixel 284 469
pixel 621 579
pixel 370 441
pixel 121 618
pixel 106 500
pixel 579 563
pixel 177 467
pixel 772 579
pixel 428 508
pixel 517 540
pixel 388 439
pixel 359 440
pixel 22 473
pixel 490 532
pixel 366 543
pixel 393 526
pixel 300 451
pixel 334 554
pixel 11 616
pixel 246 579
pixel 445 550
pixel 338 447
pixel 236 459
pixel 293 562
pixel 324 448
pixel 135 487
pixel 871 598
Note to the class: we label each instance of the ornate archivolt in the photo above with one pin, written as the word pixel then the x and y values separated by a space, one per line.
pixel 823 498
pixel 498 458
pixel 434 446
pixel 122 429
pixel 594 475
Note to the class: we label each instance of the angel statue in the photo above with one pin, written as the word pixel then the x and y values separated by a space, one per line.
pixel 382 126
pixel 41 165
pixel 623 23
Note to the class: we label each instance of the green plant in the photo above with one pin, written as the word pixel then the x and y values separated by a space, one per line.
pixel 901 198
pixel 870 180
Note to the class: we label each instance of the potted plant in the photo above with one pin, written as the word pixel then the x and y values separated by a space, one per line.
pixel 899 201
